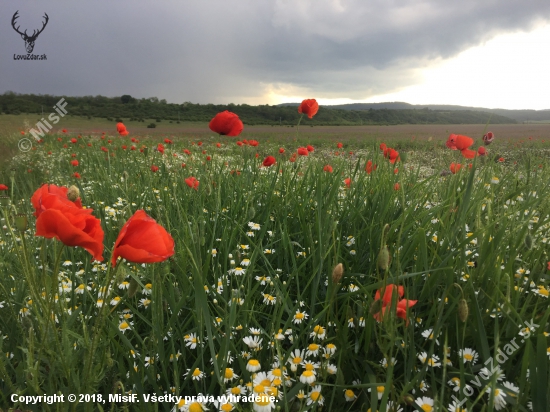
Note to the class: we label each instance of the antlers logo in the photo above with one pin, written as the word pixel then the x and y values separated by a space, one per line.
pixel 29 40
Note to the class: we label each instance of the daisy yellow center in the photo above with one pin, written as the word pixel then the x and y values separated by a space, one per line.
pixel 349 393
pixel 313 347
pixel 468 357
pixel 228 373
pixel 318 330
pixel 265 382
pixel 543 291
pixel 124 325
pixel 380 389
pixel 497 392
pixel 262 400
pixel 272 391
pixel 297 360
pixel 276 372
pixel 426 408
pixel 307 373
pixel 277 382
pixel 226 407
pixel 195 407
pixel 431 362
pixel 253 362
pixel 196 372
pixel 235 391
pixel 259 388
pixel 299 315
pixel 309 367
pixel 315 395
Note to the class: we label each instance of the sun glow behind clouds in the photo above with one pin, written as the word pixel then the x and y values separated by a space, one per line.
pixel 510 71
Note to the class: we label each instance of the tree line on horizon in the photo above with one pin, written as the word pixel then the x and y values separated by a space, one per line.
pixel 127 107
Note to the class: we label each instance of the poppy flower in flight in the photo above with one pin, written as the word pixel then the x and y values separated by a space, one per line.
pixel 462 143
pixel 402 304
pixel 143 240
pixel 488 138
pixel 121 129
pixel 309 107
pixel 226 123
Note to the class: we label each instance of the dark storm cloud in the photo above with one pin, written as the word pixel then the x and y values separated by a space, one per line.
pixel 234 51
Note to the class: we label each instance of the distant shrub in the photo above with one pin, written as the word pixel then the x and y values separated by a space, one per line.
pixel 151 125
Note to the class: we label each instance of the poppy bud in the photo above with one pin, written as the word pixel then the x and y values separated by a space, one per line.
pixel 12 173
pixel 337 273
pixel 4 201
pixel 463 310
pixel 73 193
pixel 251 212
pixel 408 399
pixel 132 289
pixel 145 150
pixel 21 222
pixel 384 258
pixel 528 242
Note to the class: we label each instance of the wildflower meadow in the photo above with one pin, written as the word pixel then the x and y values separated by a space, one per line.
pixel 290 273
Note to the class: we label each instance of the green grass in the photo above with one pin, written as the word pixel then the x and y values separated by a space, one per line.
pixel 480 235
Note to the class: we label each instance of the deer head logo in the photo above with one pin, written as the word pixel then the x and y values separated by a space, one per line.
pixel 29 40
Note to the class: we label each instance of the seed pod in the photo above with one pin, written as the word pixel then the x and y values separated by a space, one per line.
pixel 251 212
pixel 463 310
pixel 528 242
pixel 337 273
pixel 384 258
pixel 132 290
pixel 21 222
pixel 73 193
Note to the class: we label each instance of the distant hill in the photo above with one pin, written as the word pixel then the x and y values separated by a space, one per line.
pixel 520 116
pixel 154 110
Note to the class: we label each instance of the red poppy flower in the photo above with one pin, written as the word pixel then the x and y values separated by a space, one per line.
pixel 239 143
pixel 302 151
pixel 462 143
pixel 327 168
pixel 488 138
pixel 167 141
pixel 73 140
pixel 73 227
pixel 369 167
pixel 76 175
pixel 64 130
pixel 309 107
pixel 269 161
pixel 121 129
pixel 3 187
pixel 143 240
pixel 281 150
pixel 402 304
pixel 548 266
pixel 226 124
pixel 132 147
pixel 199 143
pixel 501 159
pixel 347 181
pixel 218 145
pixel 22 133
pixel 310 148
pixel 192 182
pixel 392 155
pixel 104 149
pixel 186 151
pixel 481 151
pixel 455 167
pixel 395 171
pixel 74 162
pixel 160 148
pixel 154 168
pixel 339 145
pixel 124 147
pixel 383 146
pixel 253 143
pixel 53 197
pixel 396 186
pixel 208 158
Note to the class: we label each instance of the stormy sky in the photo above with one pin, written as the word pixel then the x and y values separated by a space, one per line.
pixel 490 53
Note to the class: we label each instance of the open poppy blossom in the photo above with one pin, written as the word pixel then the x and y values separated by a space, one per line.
pixel 192 182
pixel 327 168
pixel 3 187
pixel 53 197
pixel 281 150
pixel 143 240
pixel 462 143
pixel 402 304
pixel 121 129
pixel 455 167
pixel 154 168
pixel 369 167
pixel 302 151
pixel 339 145
pixel 347 181
pixel 226 123
pixel 481 151
pixel 74 162
pixel 269 161
pixel 309 107
pixel 391 154
pixel 488 138
pixel 310 148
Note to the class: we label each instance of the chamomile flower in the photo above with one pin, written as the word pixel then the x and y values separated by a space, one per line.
pixel 349 395
pixel 253 365
pixel 253 342
pixel 296 357
pixel 433 361
pixel 318 332
pixel 300 316
pixel 315 396
pixel 191 340
pixel 379 391
pixel 499 397
pixel 124 326
pixel 313 349
pixel 425 403
pixel 457 407
pixel 468 355
pixel 229 375
pixel 196 374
